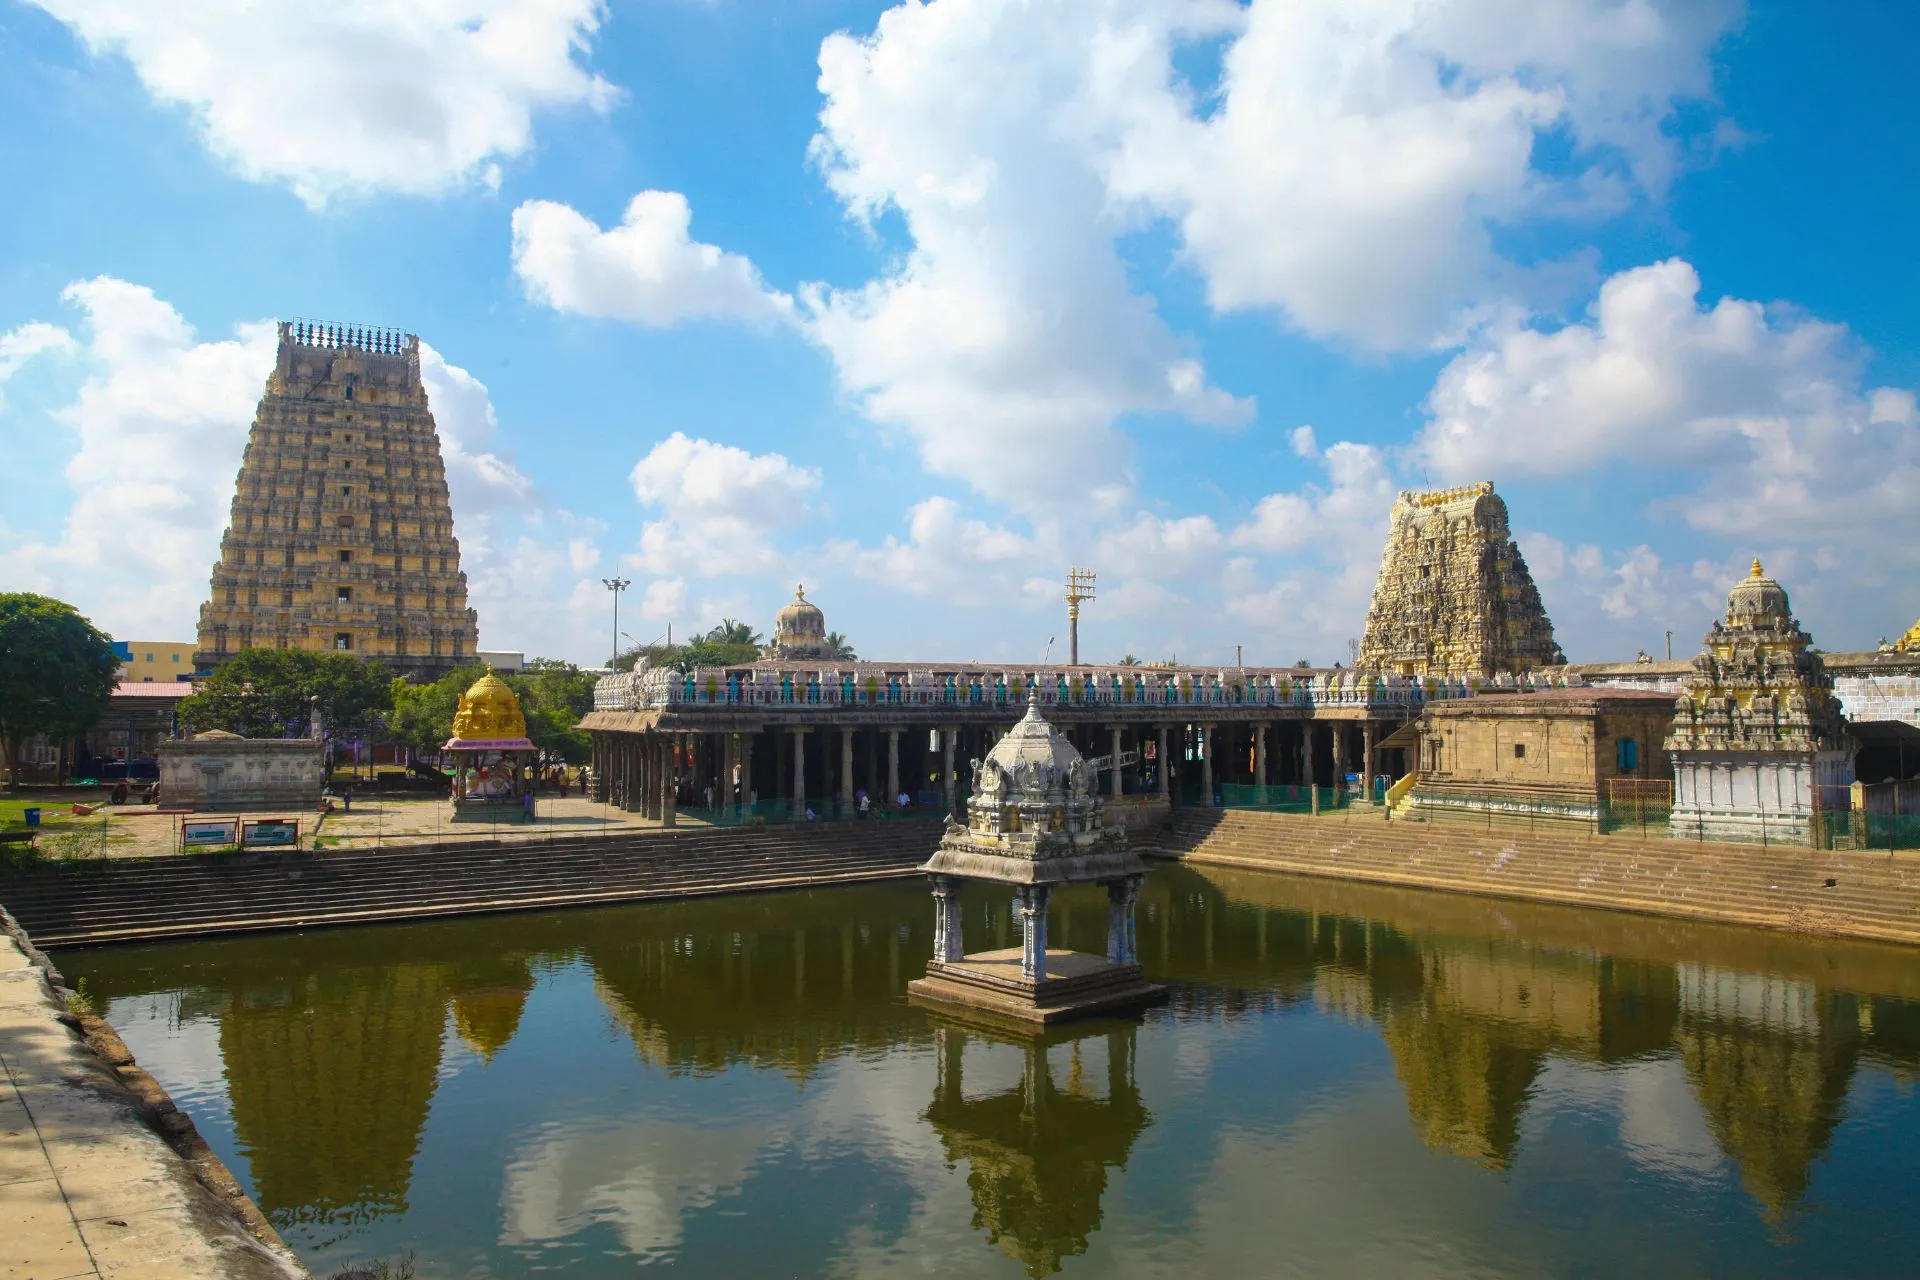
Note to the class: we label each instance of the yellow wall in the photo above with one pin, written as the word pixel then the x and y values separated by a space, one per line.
pixel 161 660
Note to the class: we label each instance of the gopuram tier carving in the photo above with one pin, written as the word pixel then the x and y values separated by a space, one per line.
pixel 1454 597
pixel 341 534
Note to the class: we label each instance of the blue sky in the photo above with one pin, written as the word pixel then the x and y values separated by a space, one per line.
pixel 921 304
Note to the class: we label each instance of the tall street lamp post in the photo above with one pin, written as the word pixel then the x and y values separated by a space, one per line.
pixel 616 585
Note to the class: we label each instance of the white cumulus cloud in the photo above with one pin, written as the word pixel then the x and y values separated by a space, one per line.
pixel 1006 342
pixel 355 96
pixel 647 269
pixel 720 506
pixel 1768 401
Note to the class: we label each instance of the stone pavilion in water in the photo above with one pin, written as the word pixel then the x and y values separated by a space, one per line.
pixel 1034 822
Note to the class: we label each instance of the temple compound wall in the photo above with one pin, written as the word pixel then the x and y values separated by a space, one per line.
pixel 220 770
pixel 1454 597
pixel 341 535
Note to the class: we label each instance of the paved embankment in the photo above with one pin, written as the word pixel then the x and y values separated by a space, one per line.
pixel 129 900
pixel 1862 895
pixel 100 1175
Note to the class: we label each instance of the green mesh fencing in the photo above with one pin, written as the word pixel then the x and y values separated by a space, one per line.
pixel 1289 799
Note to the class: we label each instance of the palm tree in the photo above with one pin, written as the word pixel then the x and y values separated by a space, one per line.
pixel 837 646
pixel 733 631
pixel 1128 660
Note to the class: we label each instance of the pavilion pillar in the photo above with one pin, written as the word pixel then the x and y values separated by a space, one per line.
pixel 1123 945
pixel 1303 767
pixel 1030 902
pixel 947 945
pixel 1114 788
pixel 670 780
pixel 725 797
pixel 947 782
pixel 1260 756
pixel 1164 766
pixel 873 763
pixel 1204 739
pixel 1366 762
pixel 846 772
pixel 893 765
pixel 799 774
pixel 746 769
pixel 646 767
pixel 1339 754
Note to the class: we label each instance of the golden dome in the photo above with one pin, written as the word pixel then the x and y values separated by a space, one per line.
pixel 489 710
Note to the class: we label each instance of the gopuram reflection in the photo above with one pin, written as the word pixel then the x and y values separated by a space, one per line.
pixel 1038 1152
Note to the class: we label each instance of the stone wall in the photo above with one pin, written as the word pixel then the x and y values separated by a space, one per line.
pixel 1558 749
pixel 225 771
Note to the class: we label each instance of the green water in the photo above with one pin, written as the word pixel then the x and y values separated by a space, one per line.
pixel 1346 1082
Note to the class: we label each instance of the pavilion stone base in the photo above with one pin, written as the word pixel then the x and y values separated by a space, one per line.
pixel 1077 986
pixel 487 811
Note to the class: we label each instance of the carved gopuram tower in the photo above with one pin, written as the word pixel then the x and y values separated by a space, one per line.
pixel 341 537
pixel 1454 597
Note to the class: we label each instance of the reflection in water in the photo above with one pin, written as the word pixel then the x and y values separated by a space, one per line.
pixel 1038 1151
pixel 330 1078
pixel 1771 1060
pixel 640 1078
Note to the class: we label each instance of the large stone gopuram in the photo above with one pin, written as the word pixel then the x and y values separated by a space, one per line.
pixel 1758 743
pixel 1454 597
pixel 341 536
pixel 1034 822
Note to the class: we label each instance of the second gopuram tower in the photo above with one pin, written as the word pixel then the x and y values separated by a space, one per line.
pixel 1454 597
pixel 341 533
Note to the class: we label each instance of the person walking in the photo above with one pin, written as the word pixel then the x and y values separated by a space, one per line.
pixel 526 804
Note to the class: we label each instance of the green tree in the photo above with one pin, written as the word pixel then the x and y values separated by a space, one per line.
pixel 731 631
pixel 554 695
pixel 422 715
pixel 57 671
pixel 838 646
pixel 271 693
pixel 1127 660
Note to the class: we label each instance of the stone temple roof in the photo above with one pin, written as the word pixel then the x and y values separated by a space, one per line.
pixel 1034 740
pixel 1755 598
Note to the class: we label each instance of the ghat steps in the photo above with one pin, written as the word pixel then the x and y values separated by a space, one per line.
pixel 1857 894
pixel 138 900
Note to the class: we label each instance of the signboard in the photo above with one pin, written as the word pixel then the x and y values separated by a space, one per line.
pixel 207 834
pixel 274 833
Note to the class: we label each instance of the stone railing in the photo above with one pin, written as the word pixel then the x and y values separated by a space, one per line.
pixel 872 685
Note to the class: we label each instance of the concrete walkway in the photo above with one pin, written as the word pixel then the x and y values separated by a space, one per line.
pixel 86 1187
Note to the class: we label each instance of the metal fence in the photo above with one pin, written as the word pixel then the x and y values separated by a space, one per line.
pixel 1288 799
pixel 765 813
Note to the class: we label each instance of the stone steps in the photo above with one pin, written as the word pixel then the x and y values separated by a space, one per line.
pixel 187 896
pixel 1779 886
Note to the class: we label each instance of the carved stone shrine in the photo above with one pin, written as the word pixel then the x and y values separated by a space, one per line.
pixel 1758 742
pixel 1034 822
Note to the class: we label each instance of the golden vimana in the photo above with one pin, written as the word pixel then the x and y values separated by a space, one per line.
pixel 341 535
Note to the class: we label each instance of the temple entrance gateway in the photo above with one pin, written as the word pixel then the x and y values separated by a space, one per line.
pixel 1034 822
